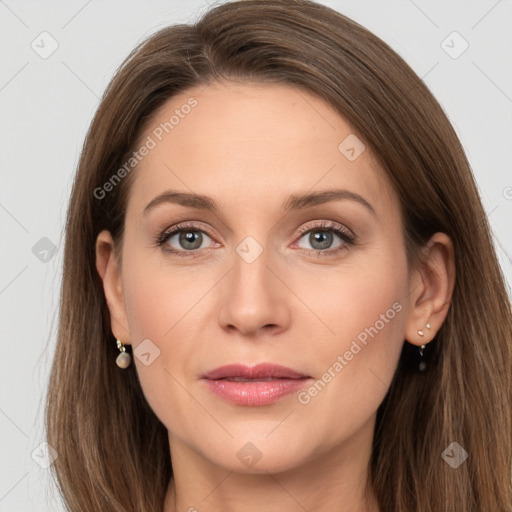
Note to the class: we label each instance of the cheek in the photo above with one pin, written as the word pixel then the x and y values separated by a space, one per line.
pixel 157 298
pixel 364 307
pixel 160 306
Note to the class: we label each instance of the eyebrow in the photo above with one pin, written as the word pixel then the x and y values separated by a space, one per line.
pixel 294 202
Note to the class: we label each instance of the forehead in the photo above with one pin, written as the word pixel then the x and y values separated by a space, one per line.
pixel 248 142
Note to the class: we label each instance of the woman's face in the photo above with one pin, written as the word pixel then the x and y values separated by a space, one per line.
pixel 280 273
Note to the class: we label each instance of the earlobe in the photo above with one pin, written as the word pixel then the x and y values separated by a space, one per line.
pixel 109 270
pixel 431 291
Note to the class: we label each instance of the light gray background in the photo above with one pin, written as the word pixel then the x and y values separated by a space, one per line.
pixel 46 106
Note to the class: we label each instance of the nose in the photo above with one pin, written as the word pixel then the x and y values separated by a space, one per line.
pixel 254 301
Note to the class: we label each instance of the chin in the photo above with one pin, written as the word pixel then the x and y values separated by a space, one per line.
pixel 252 455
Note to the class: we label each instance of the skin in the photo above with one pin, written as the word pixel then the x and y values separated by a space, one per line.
pixel 249 147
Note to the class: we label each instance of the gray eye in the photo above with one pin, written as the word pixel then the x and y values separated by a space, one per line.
pixel 189 239
pixel 319 239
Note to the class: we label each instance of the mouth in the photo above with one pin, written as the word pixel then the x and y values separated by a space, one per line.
pixel 263 371
pixel 241 379
pixel 258 385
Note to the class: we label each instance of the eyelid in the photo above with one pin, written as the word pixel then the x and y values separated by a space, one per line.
pixel 198 226
pixel 181 226
pixel 327 225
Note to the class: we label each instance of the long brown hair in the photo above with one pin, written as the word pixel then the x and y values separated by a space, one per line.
pixel 113 452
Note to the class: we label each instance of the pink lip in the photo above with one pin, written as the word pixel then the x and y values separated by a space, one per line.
pixel 256 391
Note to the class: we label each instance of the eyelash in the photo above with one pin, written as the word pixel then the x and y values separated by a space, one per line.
pixel 345 234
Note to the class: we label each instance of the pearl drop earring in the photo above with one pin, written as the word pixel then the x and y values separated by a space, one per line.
pixel 123 359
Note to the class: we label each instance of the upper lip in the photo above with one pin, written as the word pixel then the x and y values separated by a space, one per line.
pixel 259 371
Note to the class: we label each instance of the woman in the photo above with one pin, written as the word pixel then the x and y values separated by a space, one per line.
pixel 275 233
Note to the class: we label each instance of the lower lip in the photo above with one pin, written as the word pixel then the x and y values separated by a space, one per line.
pixel 254 393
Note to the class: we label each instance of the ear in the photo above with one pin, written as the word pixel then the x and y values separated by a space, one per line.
pixel 109 270
pixel 431 289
